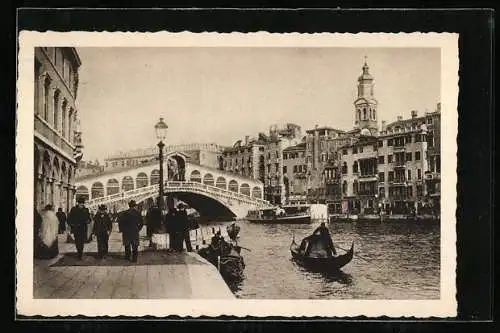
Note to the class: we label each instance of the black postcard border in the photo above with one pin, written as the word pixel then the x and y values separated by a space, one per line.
pixel 475 140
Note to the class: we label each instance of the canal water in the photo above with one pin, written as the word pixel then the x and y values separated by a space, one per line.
pixel 391 261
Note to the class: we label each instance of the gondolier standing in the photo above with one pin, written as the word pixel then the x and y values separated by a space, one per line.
pixel 326 239
pixel 79 219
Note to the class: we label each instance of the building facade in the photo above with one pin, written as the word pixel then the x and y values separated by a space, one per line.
pixel 86 168
pixel 206 154
pixel 57 137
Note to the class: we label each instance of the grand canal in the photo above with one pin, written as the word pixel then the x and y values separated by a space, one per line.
pixel 391 261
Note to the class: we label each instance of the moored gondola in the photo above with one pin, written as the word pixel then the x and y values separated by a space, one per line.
pixel 319 259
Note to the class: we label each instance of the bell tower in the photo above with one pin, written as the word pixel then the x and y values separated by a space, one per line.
pixel 365 105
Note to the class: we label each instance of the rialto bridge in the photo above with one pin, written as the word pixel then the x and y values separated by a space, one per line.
pixel 213 193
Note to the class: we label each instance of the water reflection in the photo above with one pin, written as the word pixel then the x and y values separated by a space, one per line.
pixel 391 261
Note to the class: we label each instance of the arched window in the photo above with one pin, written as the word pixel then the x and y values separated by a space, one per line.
pixel 344 168
pixel 70 124
pixel 82 192
pixel 97 190
pixel 344 187
pixel 112 187
pixel 355 167
pixel 257 192
pixel 208 179
pixel 374 115
pixel 63 117
pixel 245 189
pixel 127 183
pixel 221 183
pixel 195 176
pixel 56 109
pixel 364 113
pixel 355 187
pixel 233 186
pixel 359 114
pixel 46 94
pixel 141 180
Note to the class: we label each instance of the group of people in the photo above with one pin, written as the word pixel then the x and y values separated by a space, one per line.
pixel 175 222
pixel 47 226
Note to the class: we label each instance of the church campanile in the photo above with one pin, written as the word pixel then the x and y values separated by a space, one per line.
pixel 365 105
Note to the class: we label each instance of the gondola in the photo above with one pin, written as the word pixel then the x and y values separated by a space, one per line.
pixel 318 260
pixel 227 259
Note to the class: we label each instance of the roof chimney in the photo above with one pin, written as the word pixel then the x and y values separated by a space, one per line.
pixel 400 118
pixel 414 113
pixel 247 137
pixel 438 109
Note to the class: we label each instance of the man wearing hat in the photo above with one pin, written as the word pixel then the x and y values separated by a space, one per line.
pixel 78 219
pixel 130 223
pixel 102 229
pixel 184 227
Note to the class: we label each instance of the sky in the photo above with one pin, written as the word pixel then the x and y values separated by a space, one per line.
pixel 219 95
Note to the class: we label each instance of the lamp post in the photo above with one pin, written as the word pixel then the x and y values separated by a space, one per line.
pixel 161 133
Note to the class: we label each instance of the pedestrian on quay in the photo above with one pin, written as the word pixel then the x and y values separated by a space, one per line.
pixel 184 228
pixel 102 229
pixel 156 229
pixel 78 219
pixel 47 247
pixel 172 225
pixel 61 216
pixel 130 223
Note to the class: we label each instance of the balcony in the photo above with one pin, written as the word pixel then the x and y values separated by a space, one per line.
pixel 398 148
pixel 398 182
pixel 368 178
pixel 399 165
pixel 432 175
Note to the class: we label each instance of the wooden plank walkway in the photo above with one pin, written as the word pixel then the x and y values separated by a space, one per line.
pixel 156 275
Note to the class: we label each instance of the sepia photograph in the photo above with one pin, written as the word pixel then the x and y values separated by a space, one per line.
pixel 237 174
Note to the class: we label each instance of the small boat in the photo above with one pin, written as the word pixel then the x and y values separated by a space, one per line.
pixel 273 215
pixel 227 258
pixel 232 231
pixel 318 258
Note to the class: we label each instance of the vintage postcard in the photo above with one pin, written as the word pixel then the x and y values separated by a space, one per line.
pixel 242 174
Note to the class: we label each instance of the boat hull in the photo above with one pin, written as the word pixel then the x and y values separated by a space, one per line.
pixel 323 264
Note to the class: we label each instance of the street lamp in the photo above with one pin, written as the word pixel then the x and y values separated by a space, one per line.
pixel 161 133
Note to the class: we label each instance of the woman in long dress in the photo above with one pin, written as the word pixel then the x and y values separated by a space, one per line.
pixel 48 247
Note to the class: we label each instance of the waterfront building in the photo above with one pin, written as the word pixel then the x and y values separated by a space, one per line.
pixel 206 154
pixel 86 168
pixel 295 174
pixel 57 137
pixel 246 158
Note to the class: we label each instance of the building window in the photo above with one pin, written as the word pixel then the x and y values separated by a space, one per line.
pixel 354 150
pixel 56 109
pixel 381 143
pixel 419 190
pixel 419 174
pixel 390 142
pixel 381 159
pixel 410 191
pixel 344 151
pixel 355 187
pixel 408 156
pixel 381 177
pixel 355 167
pixel 344 168
pixel 295 168
pixel 429 121
pixel 417 156
pixel 381 192
pixel 361 149
pixel 46 92
pixel 277 167
pixel 409 175
pixel 344 187
pixel 284 169
pixel 391 176
pixel 389 158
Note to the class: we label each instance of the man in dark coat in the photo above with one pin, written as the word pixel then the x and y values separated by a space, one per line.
pixel 61 216
pixel 173 227
pixel 154 220
pixel 184 227
pixel 102 229
pixel 78 219
pixel 130 223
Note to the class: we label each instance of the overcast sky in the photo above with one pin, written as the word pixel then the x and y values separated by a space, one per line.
pixel 222 94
